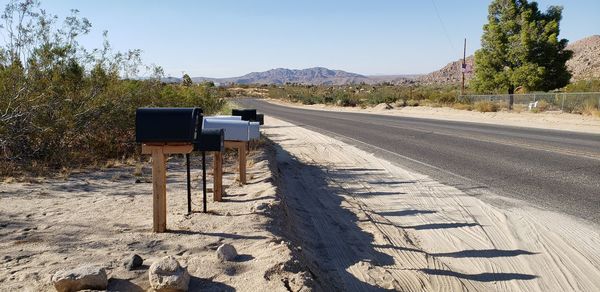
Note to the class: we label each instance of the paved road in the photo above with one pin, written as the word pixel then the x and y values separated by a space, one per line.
pixel 551 169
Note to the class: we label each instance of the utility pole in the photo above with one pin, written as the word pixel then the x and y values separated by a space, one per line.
pixel 464 68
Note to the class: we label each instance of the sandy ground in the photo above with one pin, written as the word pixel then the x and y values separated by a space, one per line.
pixel 366 225
pixel 544 120
pixel 100 217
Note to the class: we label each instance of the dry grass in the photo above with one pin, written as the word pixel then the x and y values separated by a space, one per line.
pixel 462 106
pixel 543 106
pixel 138 171
pixel 590 109
pixel 486 106
pixel 64 173
pixel 517 108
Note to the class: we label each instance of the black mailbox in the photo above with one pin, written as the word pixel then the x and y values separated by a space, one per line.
pixel 260 118
pixel 246 114
pixel 163 125
pixel 210 140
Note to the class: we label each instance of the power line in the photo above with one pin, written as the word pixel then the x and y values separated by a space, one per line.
pixel 443 26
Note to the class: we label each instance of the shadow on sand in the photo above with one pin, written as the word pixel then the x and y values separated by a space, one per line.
pixel 329 234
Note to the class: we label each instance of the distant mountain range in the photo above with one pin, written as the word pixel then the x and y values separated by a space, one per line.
pixel 316 75
pixel 584 64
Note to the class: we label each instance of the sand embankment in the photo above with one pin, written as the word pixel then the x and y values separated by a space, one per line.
pixel 101 217
pixel 365 224
pixel 543 120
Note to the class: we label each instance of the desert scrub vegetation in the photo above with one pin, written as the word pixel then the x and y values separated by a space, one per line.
pixel 486 106
pixel 584 101
pixel 365 95
pixel 64 106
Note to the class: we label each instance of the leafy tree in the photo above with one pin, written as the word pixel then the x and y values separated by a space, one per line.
pixel 186 80
pixel 520 47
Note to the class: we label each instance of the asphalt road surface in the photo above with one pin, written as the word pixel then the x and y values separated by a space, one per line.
pixel 550 169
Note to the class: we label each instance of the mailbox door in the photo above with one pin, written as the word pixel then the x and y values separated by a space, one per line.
pixel 254 131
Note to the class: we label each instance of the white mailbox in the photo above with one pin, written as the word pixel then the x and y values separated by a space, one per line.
pixel 232 118
pixel 235 130
pixel 254 131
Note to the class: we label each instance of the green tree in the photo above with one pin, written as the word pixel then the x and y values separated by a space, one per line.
pixel 520 47
pixel 186 80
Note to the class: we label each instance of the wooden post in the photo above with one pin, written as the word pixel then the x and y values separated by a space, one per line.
pixel 159 190
pixel 242 158
pixel 218 176
pixel 159 179
pixel 242 148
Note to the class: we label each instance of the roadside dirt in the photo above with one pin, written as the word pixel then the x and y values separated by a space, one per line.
pixel 544 120
pixel 365 225
pixel 101 217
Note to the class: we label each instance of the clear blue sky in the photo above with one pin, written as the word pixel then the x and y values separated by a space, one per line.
pixel 231 38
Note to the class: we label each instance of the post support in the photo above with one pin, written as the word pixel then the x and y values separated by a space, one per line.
pixel 159 190
pixel 218 176
pixel 159 154
pixel 242 152
pixel 242 149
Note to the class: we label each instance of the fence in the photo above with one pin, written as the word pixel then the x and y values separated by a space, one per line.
pixel 566 102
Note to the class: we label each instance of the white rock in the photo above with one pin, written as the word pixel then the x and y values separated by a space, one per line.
pixel 226 252
pixel 168 275
pixel 84 277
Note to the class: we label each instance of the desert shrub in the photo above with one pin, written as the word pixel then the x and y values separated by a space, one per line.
pixel 542 106
pixel 63 107
pixel 346 99
pixel 486 106
pixel 462 106
pixel 412 102
pixel 589 85
pixel 400 103
pixel 590 108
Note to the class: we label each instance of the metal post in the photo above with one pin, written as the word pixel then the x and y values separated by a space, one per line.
pixel 204 181
pixel 562 106
pixel 189 187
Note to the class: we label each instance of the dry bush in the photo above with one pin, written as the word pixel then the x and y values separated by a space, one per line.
pixel 412 102
pixel 590 109
pixel 543 106
pixel 486 106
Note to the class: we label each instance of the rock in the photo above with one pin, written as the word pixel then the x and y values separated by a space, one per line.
pixel 133 262
pixel 260 206
pixel 168 275
pixel 84 277
pixel 226 252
